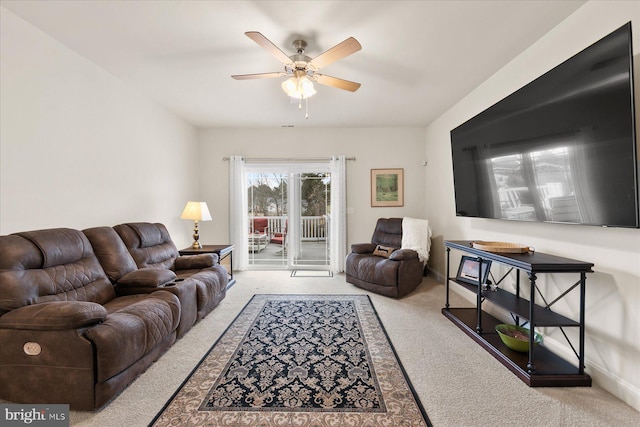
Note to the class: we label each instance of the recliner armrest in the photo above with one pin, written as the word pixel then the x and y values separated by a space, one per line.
pixel 147 278
pixel 192 262
pixel 54 315
pixel 402 254
pixel 363 248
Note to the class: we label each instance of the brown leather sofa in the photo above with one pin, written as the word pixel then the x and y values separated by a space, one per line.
pixel 141 257
pixel 395 276
pixel 82 314
pixel 66 334
pixel 122 271
pixel 151 247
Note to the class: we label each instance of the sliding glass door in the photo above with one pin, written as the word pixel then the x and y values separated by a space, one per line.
pixel 268 213
pixel 288 215
pixel 312 203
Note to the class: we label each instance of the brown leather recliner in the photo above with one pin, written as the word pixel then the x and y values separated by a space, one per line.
pixel 151 246
pixel 66 336
pixel 395 276
pixel 124 273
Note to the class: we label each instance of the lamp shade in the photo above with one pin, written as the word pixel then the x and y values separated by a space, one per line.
pixel 197 211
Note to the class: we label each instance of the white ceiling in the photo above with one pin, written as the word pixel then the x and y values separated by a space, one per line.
pixel 418 58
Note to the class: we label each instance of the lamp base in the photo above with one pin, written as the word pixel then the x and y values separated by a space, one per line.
pixel 196 236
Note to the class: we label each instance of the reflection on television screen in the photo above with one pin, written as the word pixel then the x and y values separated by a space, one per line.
pixel 560 149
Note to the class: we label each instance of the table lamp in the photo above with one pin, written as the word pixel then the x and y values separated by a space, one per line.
pixel 197 211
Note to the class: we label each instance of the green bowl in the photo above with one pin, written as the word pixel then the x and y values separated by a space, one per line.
pixel 516 337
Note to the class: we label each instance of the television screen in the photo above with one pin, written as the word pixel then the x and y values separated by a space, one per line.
pixel 561 149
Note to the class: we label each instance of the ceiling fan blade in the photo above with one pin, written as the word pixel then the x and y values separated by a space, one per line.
pixel 339 51
pixel 336 82
pixel 265 43
pixel 258 76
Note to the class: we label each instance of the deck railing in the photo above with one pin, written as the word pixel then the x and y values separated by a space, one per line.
pixel 311 227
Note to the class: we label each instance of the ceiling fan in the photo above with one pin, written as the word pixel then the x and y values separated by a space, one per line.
pixel 301 69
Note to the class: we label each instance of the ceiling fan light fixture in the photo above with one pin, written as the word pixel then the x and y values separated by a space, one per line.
pixel 299 87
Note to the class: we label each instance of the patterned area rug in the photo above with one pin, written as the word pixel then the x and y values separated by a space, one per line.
pixel 298 360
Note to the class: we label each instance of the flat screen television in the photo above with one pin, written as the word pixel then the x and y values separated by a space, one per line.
pixel 560 149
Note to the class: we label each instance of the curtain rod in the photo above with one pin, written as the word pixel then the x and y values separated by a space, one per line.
pixel 288 159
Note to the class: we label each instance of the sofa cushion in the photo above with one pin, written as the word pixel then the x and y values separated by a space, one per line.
pixel 18 254
pixel 111 252
pixel 147 277
pixel 50 265
pixel 373 269
pixel 388 232
pixel 211 286
pixel 54 316
pixel 191 262
pixel 149 234
pixel 403 254
pixel 363 248
pixel 59 245
pixel 150 245
pixel 132 331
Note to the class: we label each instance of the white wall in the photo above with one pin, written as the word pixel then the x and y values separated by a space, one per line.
pixel 373 148
pixel 78 148
pixel 613 291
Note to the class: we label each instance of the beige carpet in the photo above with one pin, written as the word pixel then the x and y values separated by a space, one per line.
pixel 458 383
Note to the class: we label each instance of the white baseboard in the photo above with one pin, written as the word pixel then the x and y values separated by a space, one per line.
pixel 436 274
pixel 615 385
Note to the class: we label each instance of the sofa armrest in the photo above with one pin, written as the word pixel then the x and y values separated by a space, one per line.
pixel 147 278
pixel 54 315
pixel 403 254
pixel 192 262
pixel 363 248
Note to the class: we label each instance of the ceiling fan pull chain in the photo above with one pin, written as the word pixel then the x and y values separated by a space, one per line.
pixel 306 116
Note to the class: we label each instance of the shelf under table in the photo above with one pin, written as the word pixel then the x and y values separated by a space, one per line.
pixel 520 306
pixel 551 370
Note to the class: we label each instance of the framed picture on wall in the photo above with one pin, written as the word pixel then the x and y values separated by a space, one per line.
pixel 387 187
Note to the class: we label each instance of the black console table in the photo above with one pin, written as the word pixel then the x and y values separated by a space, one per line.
pixel 539 367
